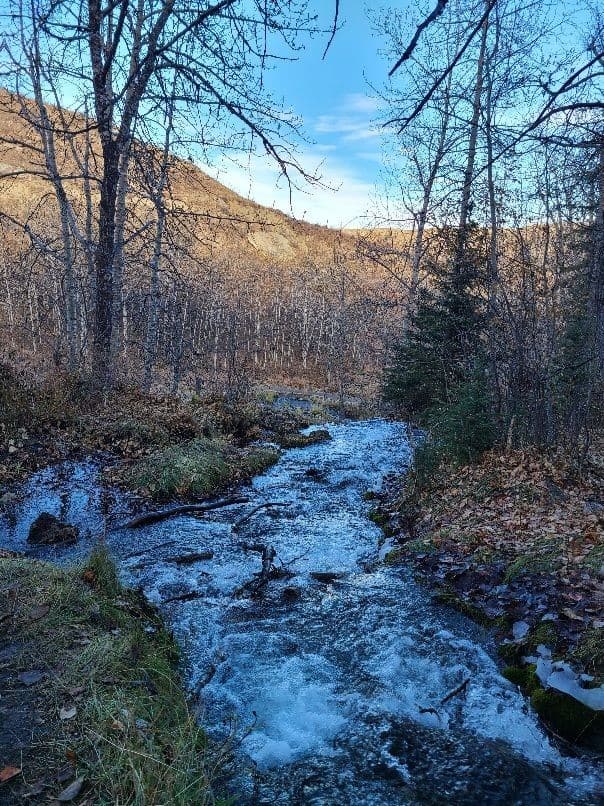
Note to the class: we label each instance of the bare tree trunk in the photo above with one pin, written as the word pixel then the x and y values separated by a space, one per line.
pixel 466 194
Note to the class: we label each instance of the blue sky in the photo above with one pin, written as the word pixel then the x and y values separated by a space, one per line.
pixel 335 102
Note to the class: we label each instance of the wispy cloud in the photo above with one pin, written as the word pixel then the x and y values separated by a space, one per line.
pixel 342 198
pixel 351 120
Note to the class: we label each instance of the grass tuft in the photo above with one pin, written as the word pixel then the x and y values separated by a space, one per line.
pixel 106 653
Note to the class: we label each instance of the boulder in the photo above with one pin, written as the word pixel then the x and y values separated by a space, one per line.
pixel 47 530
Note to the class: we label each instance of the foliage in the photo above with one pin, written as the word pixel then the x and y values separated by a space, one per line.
pixel 200 467
pixel 437 374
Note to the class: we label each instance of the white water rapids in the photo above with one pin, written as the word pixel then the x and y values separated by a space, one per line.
pixel 329 689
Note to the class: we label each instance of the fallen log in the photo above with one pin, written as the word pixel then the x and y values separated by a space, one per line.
pixel 189 559
pixel 238 524
pixel 184 509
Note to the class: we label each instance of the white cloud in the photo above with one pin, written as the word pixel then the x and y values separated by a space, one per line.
pixel 341 199
pixel 352 119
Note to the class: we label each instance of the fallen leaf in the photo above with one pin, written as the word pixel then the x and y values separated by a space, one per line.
pixel 72 791
pixel 68 713
pixel 31 678
pixel 66 773
pixel 571 614
pixel 8 772
pixel 36 789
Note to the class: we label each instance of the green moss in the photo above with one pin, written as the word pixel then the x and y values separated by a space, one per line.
pixel 395 556
pixel 590 651
pixel 523 676
pixel 511 653
pixel 544 633
pixel 449 597
pixel 421 545
pixel 533 564
pixel 296 440
pixel 569 718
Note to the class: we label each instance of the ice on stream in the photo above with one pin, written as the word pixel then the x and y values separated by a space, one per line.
pixel 334 692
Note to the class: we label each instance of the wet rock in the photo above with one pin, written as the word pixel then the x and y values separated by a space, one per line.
pixel 47 530
pixel 327 577
pixel 291 594
pixel 315 474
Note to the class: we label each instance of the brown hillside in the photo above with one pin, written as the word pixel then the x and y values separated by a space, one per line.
pixel 227 225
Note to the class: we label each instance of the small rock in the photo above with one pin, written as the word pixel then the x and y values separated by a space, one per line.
pixel 327 577
pixel 8 498
pixel 520 630
pixel 290 594
pixel 47 530
pixel 31 678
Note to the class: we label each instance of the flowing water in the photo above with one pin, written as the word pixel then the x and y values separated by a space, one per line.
pixel 330 684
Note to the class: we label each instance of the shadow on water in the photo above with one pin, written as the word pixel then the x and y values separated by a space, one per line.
pixel 332 681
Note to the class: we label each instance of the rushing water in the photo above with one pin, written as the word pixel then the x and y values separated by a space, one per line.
pixel 330 688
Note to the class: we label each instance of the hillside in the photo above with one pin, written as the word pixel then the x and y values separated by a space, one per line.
pixel 227 225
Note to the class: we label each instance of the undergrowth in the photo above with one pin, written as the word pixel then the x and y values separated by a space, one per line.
pixel 111 666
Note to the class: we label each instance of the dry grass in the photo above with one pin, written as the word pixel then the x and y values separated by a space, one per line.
pixel 111 667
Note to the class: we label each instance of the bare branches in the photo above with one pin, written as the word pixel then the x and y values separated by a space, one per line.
pixel 454 62
pixel 438 10
pixel 334 28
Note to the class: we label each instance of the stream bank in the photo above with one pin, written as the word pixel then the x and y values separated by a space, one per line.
pixel 516 541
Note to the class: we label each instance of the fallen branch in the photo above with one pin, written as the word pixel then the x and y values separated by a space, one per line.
pixel 189 559
pixel 268 569
pixel 184 509
pixel 453 693
pixel 236 526
pixel 458 690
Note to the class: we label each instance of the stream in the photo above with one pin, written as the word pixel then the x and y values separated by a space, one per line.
pixel 331 685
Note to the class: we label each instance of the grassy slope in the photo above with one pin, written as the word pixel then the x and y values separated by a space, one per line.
pixel 110 670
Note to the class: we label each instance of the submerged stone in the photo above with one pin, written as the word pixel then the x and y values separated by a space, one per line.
pixel 47 530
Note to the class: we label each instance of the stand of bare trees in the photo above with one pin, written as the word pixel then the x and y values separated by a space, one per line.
pixel 88 81
pixel 499 152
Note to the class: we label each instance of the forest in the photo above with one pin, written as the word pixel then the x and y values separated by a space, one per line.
pixel 223 428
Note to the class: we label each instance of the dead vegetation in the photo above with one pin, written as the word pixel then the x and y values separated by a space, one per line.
pixel 519 535
pixel 94 710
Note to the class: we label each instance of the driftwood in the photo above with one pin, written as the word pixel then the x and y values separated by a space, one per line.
pixel 184 509
pixel 236 526
pixel 268 572
pixel 268 555
pixel 189 559
pixel 453 693
pixel 178 559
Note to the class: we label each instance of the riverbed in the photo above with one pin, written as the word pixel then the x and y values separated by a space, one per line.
pixel 338 681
